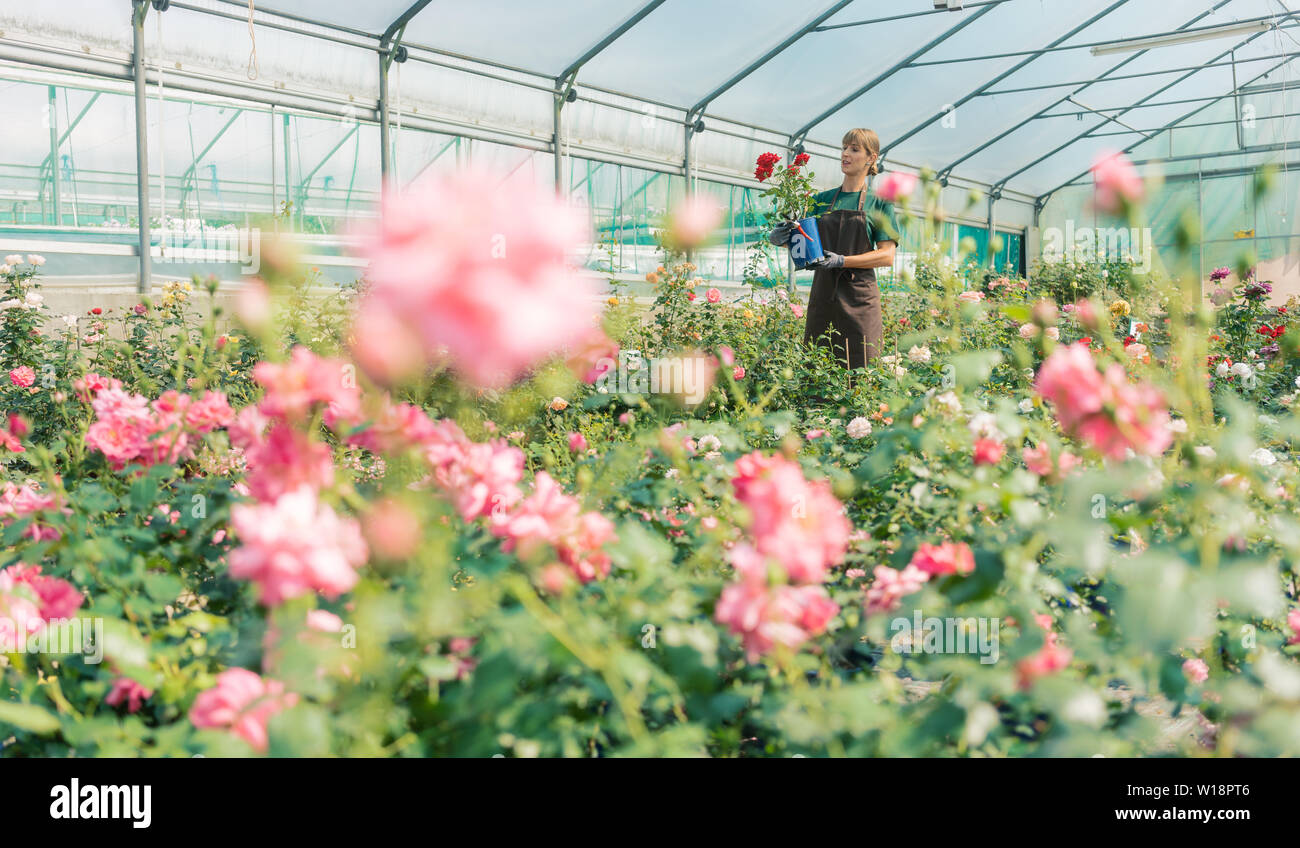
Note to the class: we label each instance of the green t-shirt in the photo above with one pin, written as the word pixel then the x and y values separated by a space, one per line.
pixel 882 222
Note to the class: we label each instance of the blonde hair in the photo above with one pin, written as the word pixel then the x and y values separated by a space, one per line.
pixel 867 139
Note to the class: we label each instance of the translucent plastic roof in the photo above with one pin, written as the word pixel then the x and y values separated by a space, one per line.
pixel 1002 92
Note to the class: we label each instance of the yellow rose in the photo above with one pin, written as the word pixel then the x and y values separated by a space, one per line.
pixel 1120 308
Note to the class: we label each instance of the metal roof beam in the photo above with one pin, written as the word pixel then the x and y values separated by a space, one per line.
pixel 1060 48
pixel 920 14
pixel 947 169
pixel 1172 124
pixel 1128 109
pixel 610 39
pixel 1141 75
pixel 802 133
pixel 1241 151
pixel 764 59
pixel 402 20
pixel 1008 72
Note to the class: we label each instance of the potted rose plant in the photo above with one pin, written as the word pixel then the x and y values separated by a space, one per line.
pixel 792 195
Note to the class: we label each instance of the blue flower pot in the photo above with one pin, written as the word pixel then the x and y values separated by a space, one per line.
pixel 806 250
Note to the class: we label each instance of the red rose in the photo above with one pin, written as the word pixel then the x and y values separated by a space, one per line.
pixel 801 160
pixel 765 165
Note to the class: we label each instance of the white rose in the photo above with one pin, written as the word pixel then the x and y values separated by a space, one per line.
pixel 70 320
pixel 13 259
pixel 1241 369
pixel 1028 331
pixel 1222 370
pixel 985 425
pixel 709 443
pixel 12 303
pixel 1204 452
pixel 1178 425
pixel 858 428
pixel 1263 456
pixel 919 354
pixel 1252 354
pixel 948 400
pixel 34 259
pixel 1026 405
pixel 5 269
pixel 1053 333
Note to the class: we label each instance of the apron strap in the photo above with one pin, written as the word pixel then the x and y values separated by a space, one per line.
pixel 862 196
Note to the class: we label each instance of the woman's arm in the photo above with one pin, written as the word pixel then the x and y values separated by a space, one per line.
pixel 881 257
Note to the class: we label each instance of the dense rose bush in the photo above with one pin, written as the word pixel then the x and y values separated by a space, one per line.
pixel 328 531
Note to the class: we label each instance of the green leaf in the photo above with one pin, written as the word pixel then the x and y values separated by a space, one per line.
pixel 980 583
pixel 163 588
pixel 28 717
pixel 639 550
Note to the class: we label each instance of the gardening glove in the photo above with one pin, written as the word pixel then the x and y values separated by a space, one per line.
pixel 828 260
pixel 781 233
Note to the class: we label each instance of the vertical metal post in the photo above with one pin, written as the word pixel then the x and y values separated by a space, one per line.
pixel 1200 232
pixel 288 175
pixel 275 179
pixel 138 10
pixel 559 141
pixel 54 155
pixel 988 240
pixel 687 162
pixel 385 134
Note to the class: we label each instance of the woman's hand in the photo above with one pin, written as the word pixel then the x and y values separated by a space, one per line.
pixel 828 260
pixel 781 233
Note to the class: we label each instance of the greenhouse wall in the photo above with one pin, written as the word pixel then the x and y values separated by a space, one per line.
pixel 284 138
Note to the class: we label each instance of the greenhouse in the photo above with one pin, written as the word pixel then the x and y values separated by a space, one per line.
pixel 251 109
pixel 654 379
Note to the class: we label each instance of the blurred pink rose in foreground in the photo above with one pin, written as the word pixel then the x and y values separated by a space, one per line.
pixel 942 560
pixel 1196 670
pixel 890 585
pixel 242 702
pixel 480 269
pixel 894 185
pixel 126 689
pixel 798 522
pixel 1105 410
pixel 295 545
pixel 765 616
pixel 1117 181
pixel 693 219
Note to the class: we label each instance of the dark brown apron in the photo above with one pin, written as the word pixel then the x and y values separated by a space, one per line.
pixel 846 300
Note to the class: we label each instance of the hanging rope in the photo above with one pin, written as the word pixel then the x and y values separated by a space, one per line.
pixel 252 37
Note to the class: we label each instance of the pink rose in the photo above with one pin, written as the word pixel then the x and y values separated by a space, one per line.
pixel 1196 670
pixel 1116 181
pixel 126 689
pixel 947 558
pixel 713 296
pixel 243 703
pixel 481 271
pixel 988 451
pixel 894 185
pixel 22 376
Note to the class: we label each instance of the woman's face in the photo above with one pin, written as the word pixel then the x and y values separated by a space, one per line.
pixel 854 159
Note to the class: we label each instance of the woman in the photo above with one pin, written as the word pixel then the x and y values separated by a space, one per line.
pixel 859 233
